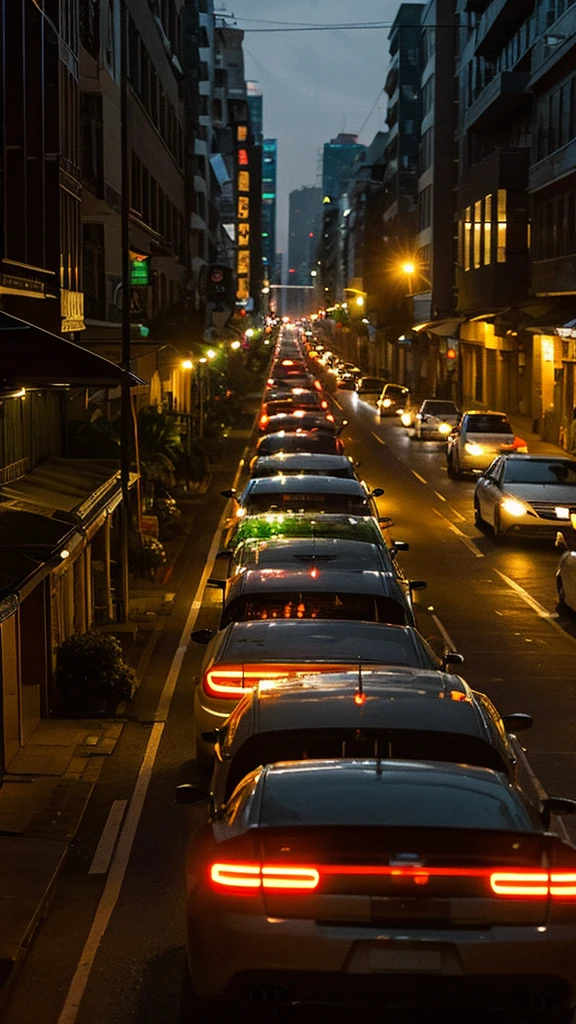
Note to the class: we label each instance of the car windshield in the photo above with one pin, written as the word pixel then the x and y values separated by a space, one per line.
pixel 395 389
pixel 317 744
pixel 440 409
pixel 425 798
pixel 557 471
pixel 371 382
pixel 488 425
pixel 295 605
pixel 349 504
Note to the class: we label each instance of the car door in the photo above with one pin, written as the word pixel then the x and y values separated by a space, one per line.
pixel 489 490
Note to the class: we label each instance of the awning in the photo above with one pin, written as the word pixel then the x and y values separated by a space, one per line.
pixel 443 328
pixel 32 357
pixel 28 541
pixel 73 490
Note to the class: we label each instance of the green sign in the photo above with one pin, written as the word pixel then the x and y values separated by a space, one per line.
pixel 140 273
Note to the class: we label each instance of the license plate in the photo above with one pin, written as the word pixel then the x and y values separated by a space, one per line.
pixel 410 960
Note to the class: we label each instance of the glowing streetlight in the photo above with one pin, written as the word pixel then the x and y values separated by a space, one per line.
pixel 187 364
pixel 235 345
pixel 250 332
pixel 359 300
pixel 408 268
pixel 211 353
pixel 202 359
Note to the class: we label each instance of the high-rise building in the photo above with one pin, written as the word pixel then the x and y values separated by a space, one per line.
pixel 256 108
pixel 304 223
pixel 269 176
pixel 337 160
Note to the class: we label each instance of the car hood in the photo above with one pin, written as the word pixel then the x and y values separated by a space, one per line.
pixel 557 493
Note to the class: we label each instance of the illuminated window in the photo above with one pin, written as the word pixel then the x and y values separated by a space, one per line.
pixel 242 133
pixel 243 261
pixel 487 229
pixel 242 158
pixel 477 232
pixel 243 181
pixel 243 207
pixel 467 236
pixel 501 251
pixel 243 233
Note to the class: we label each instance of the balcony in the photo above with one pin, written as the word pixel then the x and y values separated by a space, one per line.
pixel 557 165
pixel 499 22
pixel 553 46
pixel 501 97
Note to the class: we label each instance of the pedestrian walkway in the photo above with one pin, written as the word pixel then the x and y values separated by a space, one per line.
pixel 522 426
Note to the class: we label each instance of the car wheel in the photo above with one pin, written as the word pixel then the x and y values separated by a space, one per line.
pixel 453 468
pixel 561 592
pixel 478 520
pixel 497 528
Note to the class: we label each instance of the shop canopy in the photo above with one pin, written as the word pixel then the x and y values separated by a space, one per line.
pixel 33 357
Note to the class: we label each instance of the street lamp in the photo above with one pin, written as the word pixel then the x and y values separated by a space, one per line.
pixel 187 364
pixel 236 345
pixel 211 353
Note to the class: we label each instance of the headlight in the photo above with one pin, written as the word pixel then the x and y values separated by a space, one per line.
pixel 444 428
pixel 405 419
pixel 513 507
pixel 240 512
pixel 473 449
pixel 387 403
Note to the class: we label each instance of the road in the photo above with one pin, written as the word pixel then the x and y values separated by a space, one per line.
pixel 497 604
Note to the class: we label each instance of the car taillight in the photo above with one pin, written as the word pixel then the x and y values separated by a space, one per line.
pixel 264 419
pixel 329 417
pixel 231 683
pixel 264 876
pixel 533 883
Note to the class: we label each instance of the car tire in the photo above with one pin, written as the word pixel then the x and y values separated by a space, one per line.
pixel 453 470
pixel 479 522
pixel 561 593
pixel 497 527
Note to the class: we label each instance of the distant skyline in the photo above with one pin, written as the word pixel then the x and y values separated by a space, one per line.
pixel 315 84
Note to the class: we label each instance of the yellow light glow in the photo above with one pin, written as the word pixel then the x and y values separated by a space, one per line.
pixel 408 267
pixel 235 345
pixel 187 364
pixel 211 353
pixel 359 300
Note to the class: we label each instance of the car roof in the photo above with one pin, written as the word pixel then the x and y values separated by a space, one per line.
pixel 318 460
pixel 309 524
pixel 417 699
pixel 374 582
pixel 322 550
pixel 485 412
pixel 305 485
pixel 537 457
pixel 311 641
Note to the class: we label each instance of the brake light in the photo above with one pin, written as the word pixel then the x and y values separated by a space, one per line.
pixel 330 417
pixel 317 385
pixel 324 404
pixel 264 419
pixel 264 876
pixel 533 883
pixel 232 683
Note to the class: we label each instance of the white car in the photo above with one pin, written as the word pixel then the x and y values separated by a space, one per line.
pixel 478 439
pixel 435 419
pixel 533 495
pixel 566 574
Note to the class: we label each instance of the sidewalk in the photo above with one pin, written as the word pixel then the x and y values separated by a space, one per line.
pixel 522 426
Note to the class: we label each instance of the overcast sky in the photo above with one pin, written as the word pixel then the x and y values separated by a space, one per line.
pixel 315 84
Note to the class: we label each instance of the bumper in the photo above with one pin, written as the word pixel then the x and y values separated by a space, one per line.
pixel 476 463
pixel 238 956
pixel 532 526
pixel 208 714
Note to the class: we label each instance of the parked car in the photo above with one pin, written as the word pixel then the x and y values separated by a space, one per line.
pixel 411 714
pixel 346 381
pixel 433 884
pixel 369 388
pixel 308 525
pixel 303 464
pixel 566 572
pixel 300 441
pixel 392 400
pixel 534 495
pixel 245 653
pixel 435 419
pixel 306 494
pixel 478 439
pixel 299 419
pixel 322 552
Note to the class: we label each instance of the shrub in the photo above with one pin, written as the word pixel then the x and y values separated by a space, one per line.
pixel 91 674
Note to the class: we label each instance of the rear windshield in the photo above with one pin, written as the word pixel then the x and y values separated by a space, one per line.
pixel 440 409
pixel 267 555
pixel 360 529
pixel 424 799
pixel 558 471
pixel 488 425
pixel 349 504
pixel 372 382
pixel 278 405
pixel 292 605
pixel 318 442
pixel 395 389
pixel 341 474
pixel 318 744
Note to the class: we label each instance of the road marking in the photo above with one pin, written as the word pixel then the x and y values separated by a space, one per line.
pixel 378 438
pixel 418 477
pixel 535 605
pixel 441 496
pixel 116 875
pixel 336 402
pixel 105 849
pixel 461 536
pixel 445 634
pixel 457 514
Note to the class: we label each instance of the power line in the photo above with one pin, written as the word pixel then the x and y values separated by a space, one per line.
pixel 329 28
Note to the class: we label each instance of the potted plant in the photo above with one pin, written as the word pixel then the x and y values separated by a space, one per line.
pixel 91 675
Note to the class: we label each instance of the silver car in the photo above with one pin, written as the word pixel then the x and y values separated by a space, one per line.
pixel 435 419
pixel 534 495
pixel 478 439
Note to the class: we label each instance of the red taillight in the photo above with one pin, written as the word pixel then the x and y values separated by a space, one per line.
pixel 317 385
pixel 264 876
pixel 330 417
pixel 231 683
pixel 324 404
pixel 533 883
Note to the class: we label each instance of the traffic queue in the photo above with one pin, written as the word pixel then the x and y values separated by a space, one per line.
pixel 373 832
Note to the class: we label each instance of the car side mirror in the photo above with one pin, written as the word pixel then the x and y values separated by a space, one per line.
pixel 417 584
pixel 223 553
pixel 452 658
pixel 217 584
pixel 561 543
pixel 202 636
pixel 341 427
pixel 191 793
pixel 230 493
pixel 517 722
pixel 377 492
pixel 559 805
pixel 400 545
pixel 213 735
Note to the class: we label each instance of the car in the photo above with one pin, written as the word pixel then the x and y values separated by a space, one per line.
pixel 305 494
pixel 532 495
pixel 371 595
pixel 244 653
pixel 566 573
pixel 302 419
pixel 434 420
pixel 479 437
pixel 405 885
pixel 393 399
pixel 346 381
pixel 307 525
pixel 322 552
pixel 389 712
pixel 304 463
pixel 370 387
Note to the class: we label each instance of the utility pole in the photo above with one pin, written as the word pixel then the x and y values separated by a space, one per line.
pixel 126 426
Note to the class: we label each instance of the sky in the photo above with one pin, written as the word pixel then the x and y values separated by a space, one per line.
pixel 315 84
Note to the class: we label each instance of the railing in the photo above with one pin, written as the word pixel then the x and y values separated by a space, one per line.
pixel 14 471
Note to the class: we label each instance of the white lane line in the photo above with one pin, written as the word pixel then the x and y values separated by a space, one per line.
pixel 105 849
pixel 114 882
pixel 457 514
pixel 418 477
pixel 336 402
pixel 378 438
pixel 445 634
pixel 461 536
pixel 441 496
pixel 535 605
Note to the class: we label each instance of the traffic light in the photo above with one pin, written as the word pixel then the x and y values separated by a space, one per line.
pixel 219 283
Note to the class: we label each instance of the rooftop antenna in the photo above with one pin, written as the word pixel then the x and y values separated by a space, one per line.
pixel 360 696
